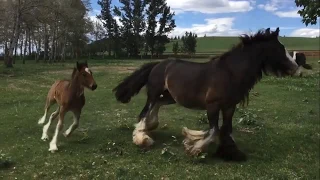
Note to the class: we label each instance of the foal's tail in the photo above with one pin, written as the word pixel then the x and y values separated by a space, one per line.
pixel 132 84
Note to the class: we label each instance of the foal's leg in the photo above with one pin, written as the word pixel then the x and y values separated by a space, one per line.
pixel 74 125
pixel 49 103
pixel 197 141
pixel 53 116
pixel 228 149
pixel 53 143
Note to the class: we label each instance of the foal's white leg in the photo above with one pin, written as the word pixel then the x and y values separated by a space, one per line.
pixel 53 143
pixel 53 116
pixel 74 125
pixel 148 123
pixel 43 118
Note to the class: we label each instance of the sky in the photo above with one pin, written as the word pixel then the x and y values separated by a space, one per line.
pixel 233 17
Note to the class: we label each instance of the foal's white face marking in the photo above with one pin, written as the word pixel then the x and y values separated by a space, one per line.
pixel 87 70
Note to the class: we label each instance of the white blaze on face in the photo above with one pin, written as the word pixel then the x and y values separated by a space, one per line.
pixel 289 57
pixel 87 70
pixel 294 55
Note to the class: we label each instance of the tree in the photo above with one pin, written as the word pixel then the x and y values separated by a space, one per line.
pixel 107 20
pixel 175 48
pixel 156 40
pixel 189 41
pixel 310 11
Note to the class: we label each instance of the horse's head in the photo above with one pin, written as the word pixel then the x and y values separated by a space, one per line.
pixel 85 76
pixel 278 59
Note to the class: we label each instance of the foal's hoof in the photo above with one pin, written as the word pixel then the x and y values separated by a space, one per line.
pixel 53 148
pixel 230 153
pixel 65 134
pixel 45 137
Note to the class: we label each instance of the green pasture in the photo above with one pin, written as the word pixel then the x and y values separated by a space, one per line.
pixel 212 44
pixel 279 130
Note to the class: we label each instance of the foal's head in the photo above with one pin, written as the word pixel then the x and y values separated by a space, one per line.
pixel 84 76
pixel 277 59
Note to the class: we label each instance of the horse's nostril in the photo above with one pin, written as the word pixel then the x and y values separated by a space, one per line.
pixel 94 87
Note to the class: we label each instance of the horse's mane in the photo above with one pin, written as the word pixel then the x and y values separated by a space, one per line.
pixel 245 39
pixel 74 72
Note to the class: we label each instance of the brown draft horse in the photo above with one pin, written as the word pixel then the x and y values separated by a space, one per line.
pixel 69 95
pixel 217 85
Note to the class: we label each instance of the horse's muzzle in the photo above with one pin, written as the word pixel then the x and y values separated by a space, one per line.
pixel 93 87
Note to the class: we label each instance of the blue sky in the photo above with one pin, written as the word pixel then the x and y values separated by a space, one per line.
pixel 233 17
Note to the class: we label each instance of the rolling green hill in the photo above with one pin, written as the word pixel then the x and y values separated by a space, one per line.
pixel 211 44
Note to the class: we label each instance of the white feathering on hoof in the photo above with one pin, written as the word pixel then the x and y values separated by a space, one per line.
pixel 139 136
pixel 42 119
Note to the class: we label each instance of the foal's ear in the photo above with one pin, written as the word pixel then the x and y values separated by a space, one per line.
pixel 78 66
pixel 86 63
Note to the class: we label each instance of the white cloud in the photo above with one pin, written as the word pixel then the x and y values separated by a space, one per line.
pixel 305 32
pixel 211 6
pixel 267 7
pixel 290 14
pixel 212 27
pixel 280 8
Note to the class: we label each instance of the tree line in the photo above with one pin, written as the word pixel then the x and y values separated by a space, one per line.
pixel 136 27
pixel 43 29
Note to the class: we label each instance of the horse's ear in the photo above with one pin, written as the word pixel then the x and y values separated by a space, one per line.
pixel 268 31
pixel 277 31
pixel 78 66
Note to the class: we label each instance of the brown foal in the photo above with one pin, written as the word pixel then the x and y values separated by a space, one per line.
pixel 69 95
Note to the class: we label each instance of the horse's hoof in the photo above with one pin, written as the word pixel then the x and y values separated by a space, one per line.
pixel 230 153
pixel 191 147
pixel 142 139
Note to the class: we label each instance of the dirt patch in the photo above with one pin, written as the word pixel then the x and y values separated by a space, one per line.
pixel 118 69
pixel 60 72
pixel 13 87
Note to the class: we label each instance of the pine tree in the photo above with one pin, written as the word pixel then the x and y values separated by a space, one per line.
pixel 175 48
pixel 108 21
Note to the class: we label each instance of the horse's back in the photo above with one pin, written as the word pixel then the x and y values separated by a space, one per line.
pixel 57 87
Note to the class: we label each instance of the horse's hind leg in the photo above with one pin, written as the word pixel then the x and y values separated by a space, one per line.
pixel 74 125
pixel 228 149
pixel 196 142
pixel 148 119
pixel 52 117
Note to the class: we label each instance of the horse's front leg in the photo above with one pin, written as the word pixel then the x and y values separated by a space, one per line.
pixel 228 149
pixel 196 142
pixel 74 125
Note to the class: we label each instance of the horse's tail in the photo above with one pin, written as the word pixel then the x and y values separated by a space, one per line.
pixel 131 85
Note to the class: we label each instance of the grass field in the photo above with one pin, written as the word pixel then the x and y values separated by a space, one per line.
pixel 211 44
pixel 279 131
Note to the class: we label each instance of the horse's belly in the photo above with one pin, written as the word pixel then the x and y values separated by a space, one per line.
pixel 192 102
